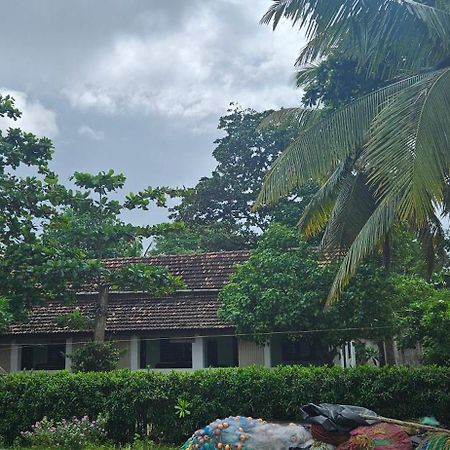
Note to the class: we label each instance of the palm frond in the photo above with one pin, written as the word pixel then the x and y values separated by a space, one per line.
pixel 376 227
pixel 307 74
pixel 408 154
pixel 319 149
pixel 436 19
pixel 317 213
pixel 300 117
pixel 392 36
pixel 353 207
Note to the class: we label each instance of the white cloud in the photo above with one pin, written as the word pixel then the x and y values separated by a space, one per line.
pixel 218 55
pixel 95 135
pixel 36 118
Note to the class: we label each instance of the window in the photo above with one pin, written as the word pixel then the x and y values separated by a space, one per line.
pixel 175 354
pixel 49 356
pixel 301 352
pixel 221 352
pixel 166 353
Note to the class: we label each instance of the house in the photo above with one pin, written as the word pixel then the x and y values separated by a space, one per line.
pixel 181 331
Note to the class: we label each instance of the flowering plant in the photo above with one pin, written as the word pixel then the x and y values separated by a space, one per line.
pixel 72 434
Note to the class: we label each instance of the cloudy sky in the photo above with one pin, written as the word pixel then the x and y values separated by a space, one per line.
pixel 139 85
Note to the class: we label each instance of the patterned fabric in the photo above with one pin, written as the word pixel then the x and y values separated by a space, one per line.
pixel 435 441
pixel 382 436
pixel 329 437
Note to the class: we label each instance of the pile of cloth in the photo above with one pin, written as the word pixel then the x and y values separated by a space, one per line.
pixel 325 427
pixel 344 427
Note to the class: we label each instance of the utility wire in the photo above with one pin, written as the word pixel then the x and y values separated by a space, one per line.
pixel 267 333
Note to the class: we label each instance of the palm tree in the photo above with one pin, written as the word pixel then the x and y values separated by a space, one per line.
pixel 385 157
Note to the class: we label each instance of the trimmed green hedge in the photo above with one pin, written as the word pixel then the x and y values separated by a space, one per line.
pixel 134 399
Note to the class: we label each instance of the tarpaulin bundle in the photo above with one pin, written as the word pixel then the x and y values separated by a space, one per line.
pixel 336 418
pixel 381 436
pixel 246 433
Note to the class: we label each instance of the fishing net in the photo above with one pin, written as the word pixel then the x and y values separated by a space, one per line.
pixel 245 433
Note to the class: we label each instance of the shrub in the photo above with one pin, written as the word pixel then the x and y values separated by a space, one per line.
pixel 95 357
pixel 74 434
pixel 141 402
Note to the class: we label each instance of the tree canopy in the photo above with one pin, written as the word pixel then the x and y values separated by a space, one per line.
pixel 282 288
pixel 384 157
pixel 216 214
pixel 53 239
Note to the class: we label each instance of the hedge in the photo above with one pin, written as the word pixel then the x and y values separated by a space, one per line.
pixel 134 400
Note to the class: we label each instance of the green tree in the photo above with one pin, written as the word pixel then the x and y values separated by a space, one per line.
pixel 29 196
pixel 216 214
pixel 92 224
pixel 53 240
pixel 383 158
pixel 334 82
pixel 282 288
pixel 175 238
pixel 425 318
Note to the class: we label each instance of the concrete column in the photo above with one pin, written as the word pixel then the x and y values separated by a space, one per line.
pixel 198 353
pixel 352 354
pixel 68 354
pixel 267 355
pixel 134 353
pixel 15 357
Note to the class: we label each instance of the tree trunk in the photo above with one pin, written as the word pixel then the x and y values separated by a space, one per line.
pixel 101 312
pixel 389 344
pixel 387 253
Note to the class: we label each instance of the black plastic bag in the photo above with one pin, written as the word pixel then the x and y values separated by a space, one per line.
pixel 336 418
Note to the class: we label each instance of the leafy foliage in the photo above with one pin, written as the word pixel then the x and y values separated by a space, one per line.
pixel 383 158
pixel 5 313
pixel 95 357
pixel 216 214
pixel 179 237
pixel 133 400
pixel 75 320
pixel 426 319
pixel 153 280
pixel 282 288
pixel 74 434
pixel 53 239
pixel 334 82
pixel 30 270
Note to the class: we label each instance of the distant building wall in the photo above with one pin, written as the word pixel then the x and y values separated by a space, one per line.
pixel 408 356
pixel 125 357
pixel 5 355
pixel 250 354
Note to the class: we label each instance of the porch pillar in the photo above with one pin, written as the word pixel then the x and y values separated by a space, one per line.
pixel 198 353
pixel 68 354
pixel 15 357
pixel 267 355
pixel 134 353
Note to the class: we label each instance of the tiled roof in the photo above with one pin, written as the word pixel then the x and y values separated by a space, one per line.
pixel 138 312
pixel 131 312
pixel 199 271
